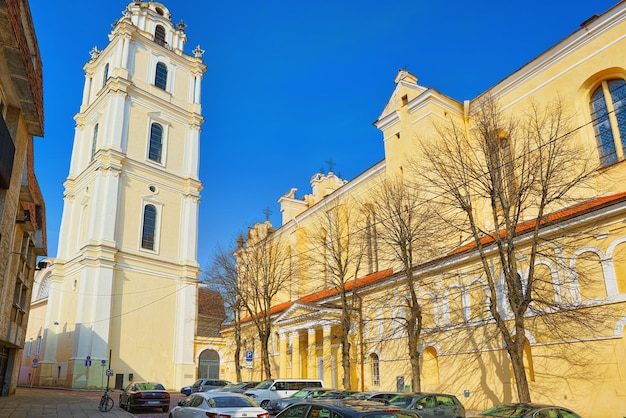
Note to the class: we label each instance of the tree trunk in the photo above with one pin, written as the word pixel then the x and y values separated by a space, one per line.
pixel 516 354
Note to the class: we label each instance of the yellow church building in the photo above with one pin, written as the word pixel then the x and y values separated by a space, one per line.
pixel 542 193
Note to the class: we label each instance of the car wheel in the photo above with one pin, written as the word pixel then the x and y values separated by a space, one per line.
pixel 265 404
pixel 128 407
pixel 166 408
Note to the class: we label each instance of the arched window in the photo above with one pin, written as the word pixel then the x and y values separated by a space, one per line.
pixel 209 364
pixel 156 142
pixel 160 76
pixel 94 141
pixel 159 35
pixel 105 75
pixel 375 369
pixel 609 120
pixel 149 227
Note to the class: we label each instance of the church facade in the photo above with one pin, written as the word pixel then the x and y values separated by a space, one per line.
pixel 572 251
pixel 122 291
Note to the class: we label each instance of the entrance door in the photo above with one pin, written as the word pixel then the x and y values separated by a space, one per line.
pixel 4 360
pixel 209 365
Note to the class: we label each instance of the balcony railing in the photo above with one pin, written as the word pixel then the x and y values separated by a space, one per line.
pixel 7 154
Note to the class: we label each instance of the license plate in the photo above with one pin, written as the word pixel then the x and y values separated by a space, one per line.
pixel 153 403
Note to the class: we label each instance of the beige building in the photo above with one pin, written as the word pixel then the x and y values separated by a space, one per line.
pixel 121 299
pixel 575 348
pixel 22 212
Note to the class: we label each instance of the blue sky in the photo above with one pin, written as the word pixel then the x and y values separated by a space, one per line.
pixel 291 85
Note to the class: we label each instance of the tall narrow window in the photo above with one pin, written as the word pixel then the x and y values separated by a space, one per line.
pixel 159 35
pixel 160 76
pixel 105 75
pixel 375 369
pixel 156 142
pixel 609 120
pixel 371 236
pixel 94 141
pixel 149 227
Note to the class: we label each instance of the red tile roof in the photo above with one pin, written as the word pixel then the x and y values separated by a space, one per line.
pixel 325 293
pixel 551 218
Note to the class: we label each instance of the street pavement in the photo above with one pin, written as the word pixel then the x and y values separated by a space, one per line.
pixel 73 403
pixel 69 403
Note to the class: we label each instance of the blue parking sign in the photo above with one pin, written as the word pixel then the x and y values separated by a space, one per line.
pixel 248 355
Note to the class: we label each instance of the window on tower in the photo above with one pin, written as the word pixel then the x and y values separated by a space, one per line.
pixel 105 75
pixel 149 227
pixel 159 35
pixel 94 141
pixel 156 143
pixel 160 76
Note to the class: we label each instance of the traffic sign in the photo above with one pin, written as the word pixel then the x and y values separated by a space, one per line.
pixel 249 355
pixel 88 357
pixel 87 363
pixel 35 360
pixel 103 363
pixel 109 372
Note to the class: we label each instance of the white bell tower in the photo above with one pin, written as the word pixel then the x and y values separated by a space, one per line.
pixel 124 281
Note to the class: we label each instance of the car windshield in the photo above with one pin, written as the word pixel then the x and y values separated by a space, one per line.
pixel 301 394
pixel 359 396
pixel 150 386
pixel 264 384
pixel 401 400
pixel 508 411
pixel 231 402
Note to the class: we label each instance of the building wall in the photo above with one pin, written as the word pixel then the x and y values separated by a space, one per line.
pixel 22 213
pixel 579 364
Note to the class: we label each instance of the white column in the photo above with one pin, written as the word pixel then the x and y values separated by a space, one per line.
pixel 125 51
pixel 311 355
pixel 295 354
pixel 191 160
pixel 188 230
pixel 87 88
pixel 283 355
pixel 105 206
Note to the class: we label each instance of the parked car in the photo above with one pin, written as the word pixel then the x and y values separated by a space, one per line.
pixel 338 394
pixel 344 408
pixel 430 405
pixel 202 385
pixel 270 389
pixel 529 410
pixel 186 390
pixel 240 387
pixel 374 396
pixel 217 404
pixel 144 395
pixel 276 405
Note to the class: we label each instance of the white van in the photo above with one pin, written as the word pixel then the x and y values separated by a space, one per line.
pixel 280 388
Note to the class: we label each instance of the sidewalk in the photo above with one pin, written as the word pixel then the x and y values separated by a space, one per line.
pixel 56 403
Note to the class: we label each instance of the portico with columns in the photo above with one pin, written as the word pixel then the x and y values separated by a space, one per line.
pixel 309 344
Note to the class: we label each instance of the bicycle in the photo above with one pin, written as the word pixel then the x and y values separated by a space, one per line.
pixel 106 402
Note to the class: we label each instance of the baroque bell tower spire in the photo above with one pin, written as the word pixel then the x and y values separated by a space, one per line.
pixel 124 281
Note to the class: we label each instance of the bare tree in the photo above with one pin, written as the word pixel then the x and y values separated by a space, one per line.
pixel 264 270
pixel 402 221
pixel 500 177
pixel 337 252
pixel 222 277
